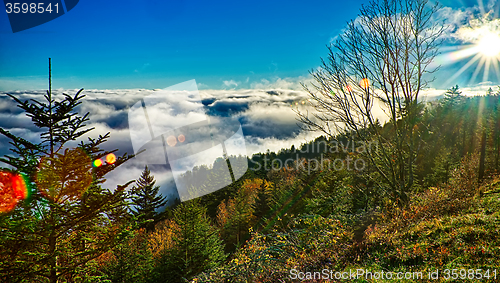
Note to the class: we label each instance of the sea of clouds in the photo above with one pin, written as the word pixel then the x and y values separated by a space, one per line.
pixel 266 117
pixel 266 113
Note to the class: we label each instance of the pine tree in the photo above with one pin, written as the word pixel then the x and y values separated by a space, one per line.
pixel 146 200
pixel 130 261
pixel 196 245
pixel 64 226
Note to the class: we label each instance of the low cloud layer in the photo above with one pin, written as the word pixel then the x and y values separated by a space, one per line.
pixel 266 117
pixel 265 114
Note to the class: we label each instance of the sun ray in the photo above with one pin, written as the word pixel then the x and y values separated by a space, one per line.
pixel 464 67
pixel 481 7
pixel 454 56
pixel 496 7
pixel 482 103
pixel 487 69
pixel 455 48
pixel 478 68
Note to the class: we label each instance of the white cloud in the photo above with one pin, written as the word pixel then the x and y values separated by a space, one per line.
pixel 202 86
pixel 477 28
pixel 230 83
pixel 453 19
pixel 264 111
pixel 282 83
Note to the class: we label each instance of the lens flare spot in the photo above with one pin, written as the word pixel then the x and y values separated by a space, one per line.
pixel 181 138
pixel 97 163
pixel 13 188
pixel 171 141
pixel 110 158
pixel 20 188
pixel 364 83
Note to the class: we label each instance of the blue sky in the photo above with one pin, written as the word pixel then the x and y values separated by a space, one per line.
pixel 154 44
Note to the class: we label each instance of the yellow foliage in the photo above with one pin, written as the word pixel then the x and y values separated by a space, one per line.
pixel 162 238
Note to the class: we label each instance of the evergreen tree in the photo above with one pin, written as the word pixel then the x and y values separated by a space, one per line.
pixel 64 226
pixel 196 245
pixel 130 261
pixel 146 200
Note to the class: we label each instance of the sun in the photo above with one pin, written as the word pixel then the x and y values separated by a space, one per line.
pixel 475 41
pixel 481 48
pixel 489 45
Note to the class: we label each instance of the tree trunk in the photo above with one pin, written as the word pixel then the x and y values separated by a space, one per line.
pixel 52 249
pixel 482 157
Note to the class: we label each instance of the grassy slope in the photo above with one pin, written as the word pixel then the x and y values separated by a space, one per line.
pixel 432 235
pixel 452 227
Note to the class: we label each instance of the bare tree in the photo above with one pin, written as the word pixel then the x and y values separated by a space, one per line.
pixel 381 61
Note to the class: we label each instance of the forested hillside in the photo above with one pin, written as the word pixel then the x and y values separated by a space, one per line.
pixel 395 187
pixel 312 212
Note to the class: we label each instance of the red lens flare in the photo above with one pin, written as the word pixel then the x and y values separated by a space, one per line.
pixel 110 158
pixel 13 188
pixel 181 138
pixel 20 189
pixel 364 83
